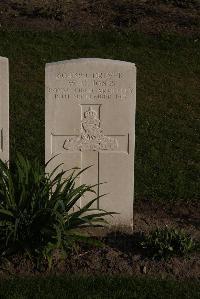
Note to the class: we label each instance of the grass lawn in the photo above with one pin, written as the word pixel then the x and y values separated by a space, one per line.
pixel 167 129
pixel 96 287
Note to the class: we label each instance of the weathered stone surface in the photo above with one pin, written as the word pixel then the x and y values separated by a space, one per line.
pixel 90 120
pixel 4 109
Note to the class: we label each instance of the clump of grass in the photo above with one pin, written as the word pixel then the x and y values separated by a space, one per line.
pixel 167 242
pixel 36 210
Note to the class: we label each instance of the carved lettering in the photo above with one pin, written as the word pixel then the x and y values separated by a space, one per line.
pixel 94 86
pixel 100 75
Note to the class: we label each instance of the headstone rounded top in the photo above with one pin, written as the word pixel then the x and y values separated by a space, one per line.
pixel 92 60
pixel 3 58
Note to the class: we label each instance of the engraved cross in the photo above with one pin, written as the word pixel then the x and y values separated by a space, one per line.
pixel 92 142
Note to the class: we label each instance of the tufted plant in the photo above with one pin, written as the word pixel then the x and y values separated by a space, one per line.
pixel 36 209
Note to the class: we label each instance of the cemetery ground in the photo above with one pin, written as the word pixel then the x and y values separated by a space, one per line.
pixel 167 155
pixel 166 166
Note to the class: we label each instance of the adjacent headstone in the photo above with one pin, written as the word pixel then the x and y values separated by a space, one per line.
pixel 90 120
pixel 4 109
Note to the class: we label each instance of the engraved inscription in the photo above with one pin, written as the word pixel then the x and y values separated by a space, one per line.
pixel 90 86
pixel 97 75
pixel 92 137
pixel 78 93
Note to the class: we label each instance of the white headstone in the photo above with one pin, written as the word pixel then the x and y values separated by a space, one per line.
pixel 4 109
pixel 90 120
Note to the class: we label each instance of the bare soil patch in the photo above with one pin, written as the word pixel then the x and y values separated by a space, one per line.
pixel 120 254
pixel 148 16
